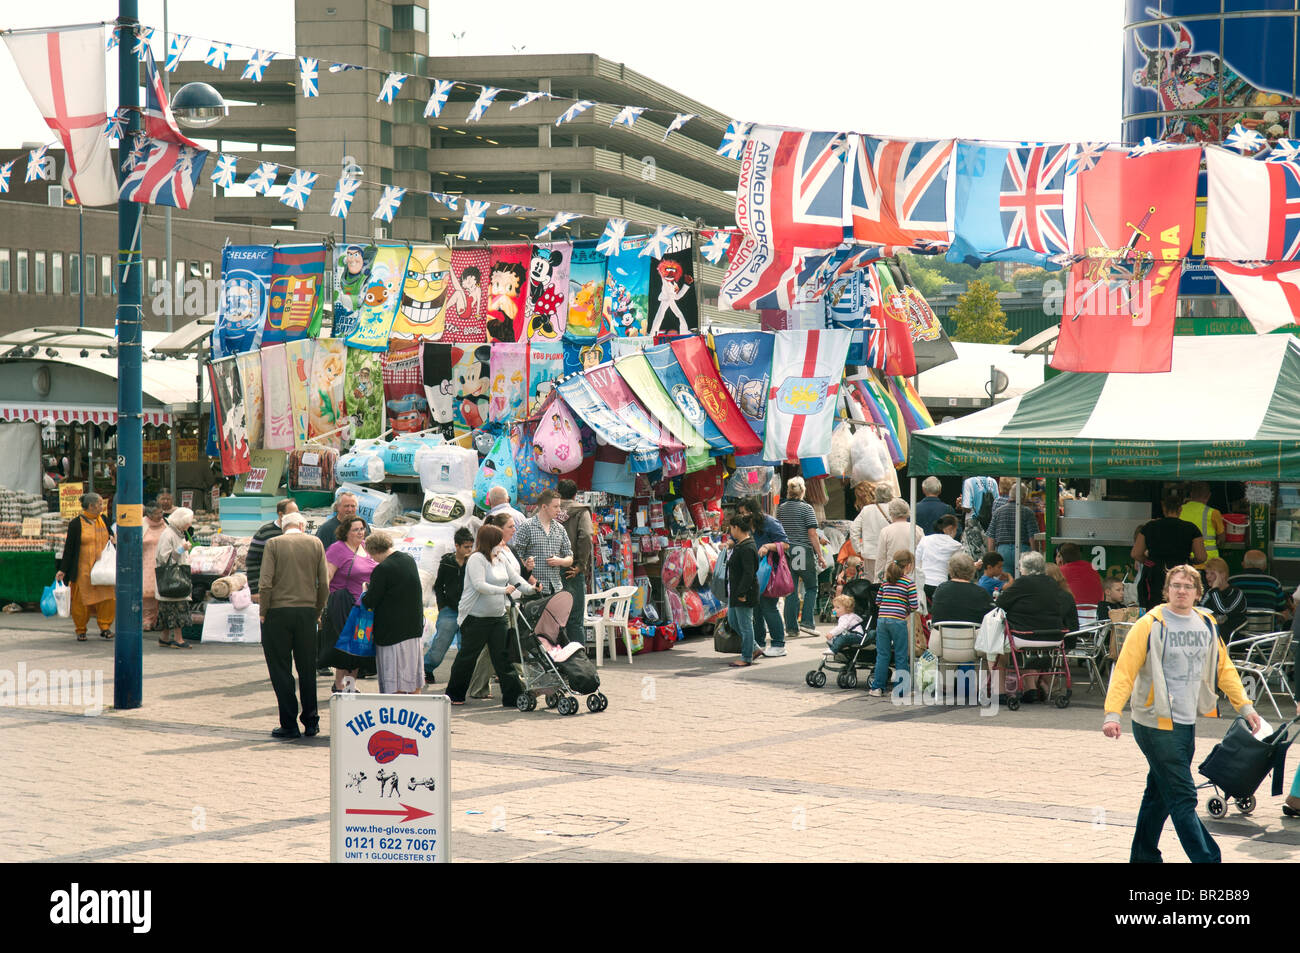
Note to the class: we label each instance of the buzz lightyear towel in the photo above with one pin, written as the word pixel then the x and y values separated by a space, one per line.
pixel 548 291
pixel 380 300
pixel 350 275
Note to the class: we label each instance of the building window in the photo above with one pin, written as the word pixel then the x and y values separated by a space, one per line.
pixel 385 133
pixel 411 159
pixel 90 274
pixel 207 270
pixel 22 271
pixel 38 266
pixel 408 110
pixel 412 63
pixel 106 274
pixel 151 274
pixel 385 176
pixel 74 274
pixel 56 272
pixel 414 205
pixel 408 16
pixel 4 270
pixel 385 39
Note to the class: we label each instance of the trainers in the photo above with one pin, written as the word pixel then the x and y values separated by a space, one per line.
pixel 876 692
pixel 775 651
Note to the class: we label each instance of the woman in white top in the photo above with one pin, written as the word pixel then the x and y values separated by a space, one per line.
pixel 897 535
pixel 871 519
pixel 174 611
pixel 933 553
pixel 491 578
pixel 480 683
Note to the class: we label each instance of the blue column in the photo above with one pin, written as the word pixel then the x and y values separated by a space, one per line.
pixel 128 673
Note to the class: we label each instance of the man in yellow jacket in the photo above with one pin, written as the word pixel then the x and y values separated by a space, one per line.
pixel 1171 664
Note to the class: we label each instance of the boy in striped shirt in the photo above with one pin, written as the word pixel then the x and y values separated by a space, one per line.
pixel 895 601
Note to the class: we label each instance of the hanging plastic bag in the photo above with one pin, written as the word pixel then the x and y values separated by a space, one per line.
pixel 530 479
pixel 839 462
pixel 557 441
pixel 497 469
pixel 104 572
pixel 63 599
pixel 49 608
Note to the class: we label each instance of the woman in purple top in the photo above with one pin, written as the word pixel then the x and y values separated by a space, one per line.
pixel 349 567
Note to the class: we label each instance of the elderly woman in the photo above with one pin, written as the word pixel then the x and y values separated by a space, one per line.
pixel 1035 602
pixel 88 536
pixel 395 596
pixel 153 530
pixel 174 611
pixel 1228 603
pixel 1172 665
pixel 799 521
pixel 960 599
pixel 896 536
pixel 768 534
pixel 871 519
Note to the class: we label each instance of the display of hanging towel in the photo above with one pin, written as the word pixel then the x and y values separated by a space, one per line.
pixel 806 371
pixel 250 374
pixel 363 394
pixel 326 410
pixel 548 292
pixel 672 288
pixel 696 361
pixel 663 363
pixel 297 285
pixel 276 402
pixel 379 302
pixel 586 306
pixel 466 313
pixel 507 292
pixel 545 364
pixel 640 377
pixel 439 387
pixel 627 289
pixel 312 468
pixel 242 305
pixel 351 272
pixel 471 371
pixel 301 357
pixel 509 387
pixel 422 310
pixel 405 402
pixel 228 415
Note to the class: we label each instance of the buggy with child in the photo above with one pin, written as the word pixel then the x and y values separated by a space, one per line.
pixel 855 648
pixel 549 664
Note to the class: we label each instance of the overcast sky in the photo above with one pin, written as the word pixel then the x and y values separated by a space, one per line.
pixel 997 69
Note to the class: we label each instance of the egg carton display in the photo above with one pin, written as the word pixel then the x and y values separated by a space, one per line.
pixel 16 505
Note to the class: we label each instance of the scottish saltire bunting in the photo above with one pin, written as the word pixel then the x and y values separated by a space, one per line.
pixel 344 193
pixel 1085 157
pixel 37 161
pixel 733 140
pixel 224 173
pixel 561 219
pixel 437 98
pixel 679 120
pixel 143 34
pixel 1284 150
pixel 628 115
pixel 527 98
pixel 389 203
pixel 257 64
pixel 471 223
pixel 263 177
pixel 309 76
pixel 581 106
pixel 298 189
pixel 5 171
pixel 612 237
pixel 514 209
pixel 485 99
pixel 175 50
pixel 451 201
pixel 392 86
pixel 217 55
pixel 1147 147
pixel 345 68
pixel 657 246
pixel 1246 141
pixel 111 42
pixel 115 126
pixel 715 246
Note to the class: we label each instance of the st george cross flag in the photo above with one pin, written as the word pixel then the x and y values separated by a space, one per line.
pixel 64 72
pixel 1269 294
pixel 1012 204
pixel 173 164
pixel 1252 209
pixel 806 371
pixel 899 191
pixel 1135 220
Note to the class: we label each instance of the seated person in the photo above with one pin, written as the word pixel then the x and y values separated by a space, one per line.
pixel 1226 602
pixel 1261 590
pixel 933 553
pixel 848 625
pixel 1113 591
pixel 1035 603
pixel 852 569
pixel 1085 583
pixel 992 578
pixel 960 599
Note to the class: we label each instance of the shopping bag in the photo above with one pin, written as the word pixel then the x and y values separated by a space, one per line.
pixel 173 581
pixel 222 622
pixel 719 581
pixel 530 479
pixel 104 572
pixel 1240 762
pixel 49 608
pixel 780 582
pixel 63 599
pixel 358 634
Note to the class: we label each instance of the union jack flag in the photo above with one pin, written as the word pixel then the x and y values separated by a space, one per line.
pixel 5 171
pixel 715 246
pixel 1085 157
pixel 298 189
pixel 143 34
pixel 257 64
pixel 217 55
pixel 175 50
pixel 471 223
pixel 1284 150
pixel 900 191
pixel 166 175
pixel 1245 140
pixel 733 140
pixel 308 76
pixel 344 193
pixel 392 86
pixel 139 146
pixel 115 126
pixel 485 99
pixel 1033 199
pixel 628 115
pixel 39 165
pixel 389 203
pixel 263 177
pixel 438 97
pixel 224 173
pixel 581 106
pixel 1284 212
pixel 451 201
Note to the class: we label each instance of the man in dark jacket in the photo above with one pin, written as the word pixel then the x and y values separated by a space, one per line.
pixel 395 596
pixel 267 532
pixel 576 519
pixel 742 586
pixel 447 588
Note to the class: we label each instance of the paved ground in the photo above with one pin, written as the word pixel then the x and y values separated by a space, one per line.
pixel 692 761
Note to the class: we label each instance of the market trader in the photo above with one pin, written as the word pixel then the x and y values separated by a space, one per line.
pixel 345 507
pixel 1198 511
pixel 1169 686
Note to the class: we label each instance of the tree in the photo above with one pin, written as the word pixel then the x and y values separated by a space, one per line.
pixel 979 316
pixel 928 282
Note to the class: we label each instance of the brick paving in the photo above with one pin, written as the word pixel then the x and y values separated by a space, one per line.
pixel 692 761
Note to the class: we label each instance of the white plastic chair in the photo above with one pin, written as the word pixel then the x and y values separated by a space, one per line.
pixel 614 607
pixel 953 644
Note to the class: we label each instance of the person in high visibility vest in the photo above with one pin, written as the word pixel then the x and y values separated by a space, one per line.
pixel 1198 511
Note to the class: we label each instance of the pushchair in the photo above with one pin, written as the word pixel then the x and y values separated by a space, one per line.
pixel 543 616
pixel 854 657
pixel 1239 763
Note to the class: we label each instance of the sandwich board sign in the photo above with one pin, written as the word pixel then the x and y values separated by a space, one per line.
pixel 390 780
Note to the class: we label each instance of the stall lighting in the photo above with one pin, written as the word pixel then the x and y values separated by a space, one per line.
pixel 50 352
pixel 85 353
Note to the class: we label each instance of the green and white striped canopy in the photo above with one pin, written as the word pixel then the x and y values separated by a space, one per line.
pixel 1228 410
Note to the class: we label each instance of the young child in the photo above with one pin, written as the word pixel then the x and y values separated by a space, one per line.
pixel 894 603
pixel 1114 592
pixel 994 578
pixel 852 569
pixel 843 636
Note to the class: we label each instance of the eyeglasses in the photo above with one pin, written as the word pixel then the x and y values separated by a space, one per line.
pixel 1176 586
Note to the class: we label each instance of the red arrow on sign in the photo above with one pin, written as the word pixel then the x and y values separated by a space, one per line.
pixel 408 813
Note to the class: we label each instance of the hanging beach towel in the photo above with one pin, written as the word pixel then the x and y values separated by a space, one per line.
pixel 497 469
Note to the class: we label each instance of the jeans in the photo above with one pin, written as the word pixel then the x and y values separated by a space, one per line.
pixel 741 621
pixel 1170 793
pixel 803 565
pixel 1007 552
pixel 891 634
pixel 288 643
pixel 475 634
pixel 444 634
pixel 846 640
pixel 766 612
pixel 576 587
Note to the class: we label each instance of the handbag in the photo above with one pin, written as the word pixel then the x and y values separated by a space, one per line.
pixel 173 581
pixel 104 572
pixel 780 583
pixel 358 634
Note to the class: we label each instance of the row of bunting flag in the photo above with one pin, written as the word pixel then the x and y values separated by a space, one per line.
pixel 763 397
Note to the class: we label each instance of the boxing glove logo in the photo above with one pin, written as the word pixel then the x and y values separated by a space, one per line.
pixel 385 746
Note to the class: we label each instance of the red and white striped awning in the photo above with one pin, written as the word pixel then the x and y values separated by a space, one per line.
pixel 80 415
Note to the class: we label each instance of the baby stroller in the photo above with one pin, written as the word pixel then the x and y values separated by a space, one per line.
pixel 1239 763
pixel 543 617
pixel 825 611
pixel 862 655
